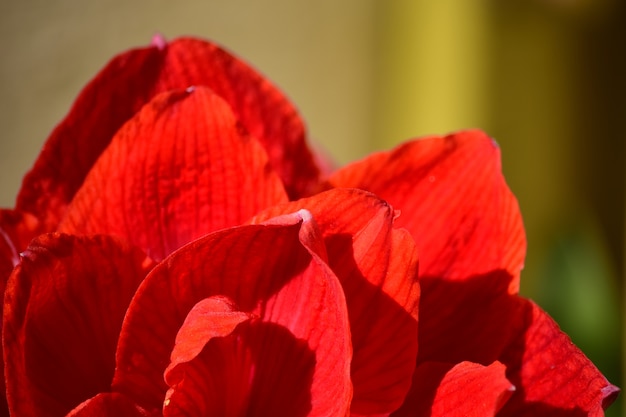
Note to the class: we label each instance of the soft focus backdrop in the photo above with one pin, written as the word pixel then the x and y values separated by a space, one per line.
pixel 546 78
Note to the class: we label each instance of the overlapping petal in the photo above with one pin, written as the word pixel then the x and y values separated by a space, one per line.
pixel 130 81
pixel 453 200
pixel 64 306
pixel 377 267
pixel 299 348
pixel 181 168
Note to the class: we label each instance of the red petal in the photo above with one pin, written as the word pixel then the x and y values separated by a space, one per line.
pixel 180 169
pixel 377 267
pixel 128 82
pixel 107 405
pixel 465 390
pixel 553 377
pixel 263 110
pixel 267 270
pixel 64 306
pixel 211 317
pixel 117 93
pixel 453 200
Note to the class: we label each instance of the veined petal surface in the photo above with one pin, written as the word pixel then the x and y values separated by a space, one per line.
pixel 181 168
pixel 130 81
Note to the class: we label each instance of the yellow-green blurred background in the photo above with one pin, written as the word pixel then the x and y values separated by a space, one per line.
pixel 546 78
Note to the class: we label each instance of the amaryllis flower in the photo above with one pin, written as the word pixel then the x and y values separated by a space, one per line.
pixel 176 250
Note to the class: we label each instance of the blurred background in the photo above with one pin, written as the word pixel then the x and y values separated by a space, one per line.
pixel 545 78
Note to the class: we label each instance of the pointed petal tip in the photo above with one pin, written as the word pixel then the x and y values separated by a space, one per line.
pixel 159 41
pixel 305 215
pixel 609 395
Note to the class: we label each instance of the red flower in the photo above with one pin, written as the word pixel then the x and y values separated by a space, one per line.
pixel 188 259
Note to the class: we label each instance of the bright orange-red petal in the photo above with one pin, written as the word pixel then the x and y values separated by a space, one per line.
pixel 454 201
pixel 272 271
pixel 263 110
pixel 463 390
pixel 181 168
pixel 131 80
pixel 377 267
pixel 64 306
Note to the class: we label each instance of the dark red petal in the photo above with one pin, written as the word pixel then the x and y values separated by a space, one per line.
pixel 454 201
pixel 472 320
pixel 269 270
pixel 64 306
pixel 128 82
pixel 17 229
pixel 181 168
pixel 377 267
pixel 109 405
pixel 553 377
pixel 465 390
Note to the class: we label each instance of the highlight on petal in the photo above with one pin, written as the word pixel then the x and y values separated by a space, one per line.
pixel 109 404
pixel 377 266
pixel 63 311
pixel 552 376
pixel 302 326
pixel 453 200
pixel 465 390
pixel 130 81
pixel 181 168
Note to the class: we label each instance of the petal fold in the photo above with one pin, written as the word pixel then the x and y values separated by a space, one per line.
pixel 465 390
pixel 291 290
pixel 377 266
pixel 64 306
pixel 181 168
